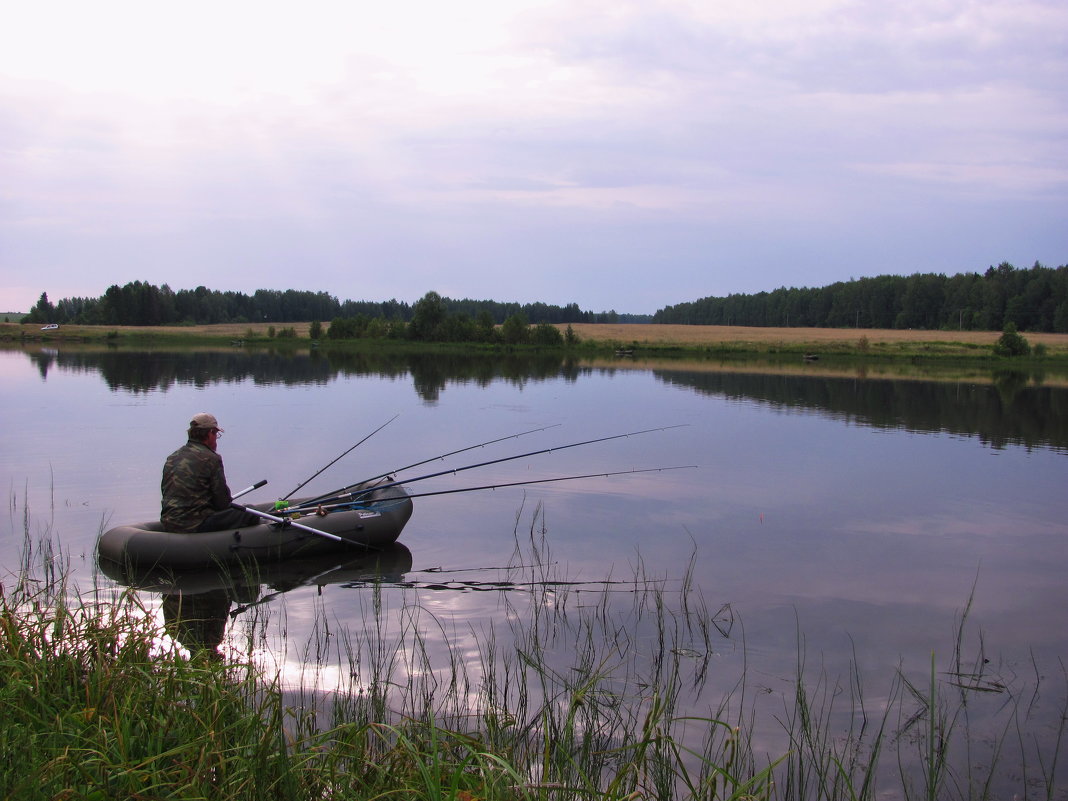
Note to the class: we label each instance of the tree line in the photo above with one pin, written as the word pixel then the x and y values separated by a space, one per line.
pixel 433 319
pixel 1034 299
pixel 141 303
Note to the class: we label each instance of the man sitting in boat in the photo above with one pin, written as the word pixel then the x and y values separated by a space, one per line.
pixel 195 494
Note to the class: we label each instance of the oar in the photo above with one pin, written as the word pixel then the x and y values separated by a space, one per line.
pixel 346 453
pixel 523 483
pixel 330 495
pixel 247 490
pixel 286 522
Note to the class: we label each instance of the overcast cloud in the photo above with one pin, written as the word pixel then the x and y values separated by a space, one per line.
pixel 623 155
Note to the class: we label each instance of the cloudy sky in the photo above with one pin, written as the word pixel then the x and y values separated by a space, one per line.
pixel 620 154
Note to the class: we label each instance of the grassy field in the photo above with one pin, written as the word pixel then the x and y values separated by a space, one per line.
pixel 647 336
pixel 812 338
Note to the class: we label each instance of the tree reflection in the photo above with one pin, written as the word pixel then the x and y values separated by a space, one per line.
pixel 1016 408
pixel 1012 411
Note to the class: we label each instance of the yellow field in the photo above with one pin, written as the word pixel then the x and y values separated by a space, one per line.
pixel 707 335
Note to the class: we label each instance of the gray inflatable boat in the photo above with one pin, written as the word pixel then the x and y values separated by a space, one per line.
pixel 374 522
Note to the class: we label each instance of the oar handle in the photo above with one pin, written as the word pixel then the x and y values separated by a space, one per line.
pixel 247 490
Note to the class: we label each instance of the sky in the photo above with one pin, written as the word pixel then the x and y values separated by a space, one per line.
pixel 618 154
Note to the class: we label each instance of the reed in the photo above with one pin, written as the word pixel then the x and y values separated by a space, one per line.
pixel 587 694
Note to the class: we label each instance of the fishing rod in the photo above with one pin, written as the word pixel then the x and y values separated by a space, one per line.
pixel 548 480
pixel 330 495
pixel 339 505
pixel 346 453
pixel 356 494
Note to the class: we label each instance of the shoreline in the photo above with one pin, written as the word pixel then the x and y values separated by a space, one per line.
pixel 651 339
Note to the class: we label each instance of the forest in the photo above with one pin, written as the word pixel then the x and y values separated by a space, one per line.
pixel 140 303
pixel 1034 299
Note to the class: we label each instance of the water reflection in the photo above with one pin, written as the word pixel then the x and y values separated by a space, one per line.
pixel 151 371
pixel 864 537
pixel 198 604
pixel 197 620
pixel 431 372
pixel 1011 411
pixel 1014 408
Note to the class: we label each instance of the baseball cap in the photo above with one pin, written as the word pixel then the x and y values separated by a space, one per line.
pixel 204 420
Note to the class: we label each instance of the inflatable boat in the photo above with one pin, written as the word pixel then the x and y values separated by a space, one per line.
pixel 372 523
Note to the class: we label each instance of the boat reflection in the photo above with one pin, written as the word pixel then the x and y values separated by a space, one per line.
pixel 198 603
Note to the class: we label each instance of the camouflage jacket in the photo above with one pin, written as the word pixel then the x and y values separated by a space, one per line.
pixel 194 486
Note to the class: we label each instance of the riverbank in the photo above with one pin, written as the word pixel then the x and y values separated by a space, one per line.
pixel 647 339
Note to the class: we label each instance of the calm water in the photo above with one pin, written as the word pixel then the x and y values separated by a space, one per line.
pixel 860 512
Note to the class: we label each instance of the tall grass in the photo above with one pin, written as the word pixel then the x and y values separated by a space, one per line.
pixel 579 696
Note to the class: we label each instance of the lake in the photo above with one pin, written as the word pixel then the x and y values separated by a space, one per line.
pixel 846 520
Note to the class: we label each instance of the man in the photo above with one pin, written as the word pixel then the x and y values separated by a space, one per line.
pixel 195 494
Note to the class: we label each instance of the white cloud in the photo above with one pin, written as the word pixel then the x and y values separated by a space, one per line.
pixel 415 128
